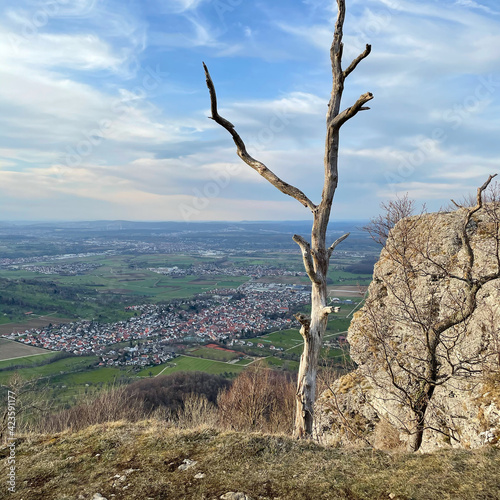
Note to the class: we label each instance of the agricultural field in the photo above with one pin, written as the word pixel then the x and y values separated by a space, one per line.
pixel 122 277
pixel 50 370
pixel 291 342
pixel 10 350
pixel 33 322
pixel 281 364
pixel 27 361
pixel 103 292
pixel 188 363
pixel 97 376
pixel 215 354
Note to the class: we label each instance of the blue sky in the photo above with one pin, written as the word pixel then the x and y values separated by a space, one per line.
pixel 103 106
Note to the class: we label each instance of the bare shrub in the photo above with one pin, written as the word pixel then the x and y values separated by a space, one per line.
pixel 392 212
pixel 260 399
pixel 197 411
pixel 114 404
pixel 170 391
pixel 31 402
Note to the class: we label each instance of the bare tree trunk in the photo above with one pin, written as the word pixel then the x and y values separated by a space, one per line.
pixel 316 255
pixel 416 437
pixel 312 331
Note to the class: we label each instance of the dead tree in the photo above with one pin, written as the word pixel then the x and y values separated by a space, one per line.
pixel 433 296
pixel 316 254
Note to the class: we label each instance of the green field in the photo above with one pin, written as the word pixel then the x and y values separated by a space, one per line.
pixel 187 363
pixel 67 389
pixel 215 354
pixel 103 292
pixel 52 369
pixel 283 338
pixel 101 375
pixel 282 364
pixel 121 280
pixel 27 360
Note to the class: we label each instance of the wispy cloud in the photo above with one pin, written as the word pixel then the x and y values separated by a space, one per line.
pixel 475 5
pixel 103 105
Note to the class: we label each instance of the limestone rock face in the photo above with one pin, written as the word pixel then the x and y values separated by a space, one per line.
pixel 432 314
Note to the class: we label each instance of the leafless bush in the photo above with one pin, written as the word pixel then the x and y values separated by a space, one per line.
pixel 259 400
pixel 197 411
pixel 114 404
pixel 31 402
pixel 392 212
pixel 170 391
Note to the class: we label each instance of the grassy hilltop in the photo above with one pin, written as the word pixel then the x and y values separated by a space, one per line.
pixel 121 460
pixel 199 436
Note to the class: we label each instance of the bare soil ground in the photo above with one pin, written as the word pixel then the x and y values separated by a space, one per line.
pixel 32 323
pixel 10 349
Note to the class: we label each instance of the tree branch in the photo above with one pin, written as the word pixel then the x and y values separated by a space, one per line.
pixel 307 257
pixel 356 61
pixel 465 237
pixel 337 47
pixel 305 321
pixel 335 243
pixel 479 198
pixel 249 160
pixel 349 113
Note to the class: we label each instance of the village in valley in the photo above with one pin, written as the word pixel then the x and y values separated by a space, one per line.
pixel 222 316
pixel 99 303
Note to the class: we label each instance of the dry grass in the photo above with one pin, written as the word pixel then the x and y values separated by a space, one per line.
pixel 258 400
pixel 106 406
pixel 387 436
pixel 140 461
pixel 83 452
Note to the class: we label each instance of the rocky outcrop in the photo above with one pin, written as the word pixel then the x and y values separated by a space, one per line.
pixel 426 342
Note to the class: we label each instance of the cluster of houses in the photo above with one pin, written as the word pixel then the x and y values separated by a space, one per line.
pixel 149 352
pixel 20 261
pixel 205 269
pixel 71 269
pixel 222 314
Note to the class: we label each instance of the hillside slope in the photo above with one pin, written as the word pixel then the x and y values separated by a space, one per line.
pixel 146 461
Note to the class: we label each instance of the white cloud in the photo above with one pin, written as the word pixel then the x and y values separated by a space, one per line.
pixel 180 6
pixel 159 149
pixel 81 52
pixel 320 36
pixel 475 5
